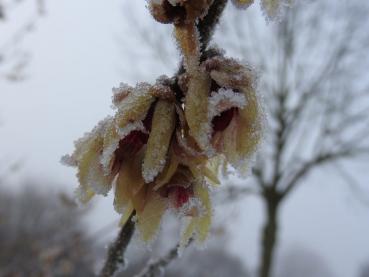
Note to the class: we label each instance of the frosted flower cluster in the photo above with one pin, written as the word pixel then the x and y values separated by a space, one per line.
pixel 185 11
pixel 163 147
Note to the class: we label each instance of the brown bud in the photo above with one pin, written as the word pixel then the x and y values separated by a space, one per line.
pixel 179 11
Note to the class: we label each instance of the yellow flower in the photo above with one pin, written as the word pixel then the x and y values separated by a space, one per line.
pixel 116 140
pixel 181 187
pixel 222 110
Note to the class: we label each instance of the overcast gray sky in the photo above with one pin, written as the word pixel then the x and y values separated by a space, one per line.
pixel 76 60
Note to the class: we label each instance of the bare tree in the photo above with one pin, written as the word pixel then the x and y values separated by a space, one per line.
pixel 365 271
pixel 313 78
pixel 302 262
pixel 316 95
pixel 41 235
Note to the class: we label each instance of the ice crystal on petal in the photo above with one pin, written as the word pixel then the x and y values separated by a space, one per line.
pixel 68 160
pixel 223 100
pixel 163 125
pixel 134 126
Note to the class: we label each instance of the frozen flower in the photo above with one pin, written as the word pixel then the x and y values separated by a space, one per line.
pixel 142 152
pixel 222 110
pixel 179 11
pixel 118 139
pixel 181 187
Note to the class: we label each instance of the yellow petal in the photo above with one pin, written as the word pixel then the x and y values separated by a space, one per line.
pixel 188 233
pixel 129 182
pixel 250 131
pixel 211 175
pixel 111 143
pixel 127 214
pixel 203 222
pixel 199 225
pixel 148 221
pixel 90 172
pixel 196 110
pixel 163 124
pixel 167 173
pixel 135 105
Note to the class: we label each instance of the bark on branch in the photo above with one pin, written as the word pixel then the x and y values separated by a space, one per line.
pixel 118 248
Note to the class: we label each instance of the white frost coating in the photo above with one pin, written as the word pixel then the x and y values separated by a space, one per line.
pixel 108 152
pixel 81 194
pixel 107 156
pixel 131 99
pixel 134 126
pixel 193 203
pixel 97 181
pixel 204 138
pixel 98 130
pixel 68 160
pixel 223 100
pixel 82 145
pixel 150 174
pixel 120 93
pixel 174 2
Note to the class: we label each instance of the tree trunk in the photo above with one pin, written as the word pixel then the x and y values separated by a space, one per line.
pixel 269 238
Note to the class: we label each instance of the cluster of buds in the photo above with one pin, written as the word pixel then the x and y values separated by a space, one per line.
pixel 186 11
pixel 163 147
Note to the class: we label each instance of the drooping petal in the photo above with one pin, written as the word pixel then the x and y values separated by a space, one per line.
pixel 204 220
pixel 163 124
pixel 200 224
pixel 168 172
pixel 126 214
pixel 196 110
pixel 129 184
pixel 148 220
pixel 110 144
pixel 90 172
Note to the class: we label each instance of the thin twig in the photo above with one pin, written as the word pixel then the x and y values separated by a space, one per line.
pixel 154 267
pixel 207 25
pixel 117 249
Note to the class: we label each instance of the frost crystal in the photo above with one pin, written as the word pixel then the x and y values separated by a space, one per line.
pixel 134 126
pixel 223 100
pixel 68 160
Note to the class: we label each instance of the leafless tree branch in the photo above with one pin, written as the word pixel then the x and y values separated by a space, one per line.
pixel 117 249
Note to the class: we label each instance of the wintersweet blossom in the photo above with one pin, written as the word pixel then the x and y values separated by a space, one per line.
pixel 162 149
pixel 223 111
pixel 143 153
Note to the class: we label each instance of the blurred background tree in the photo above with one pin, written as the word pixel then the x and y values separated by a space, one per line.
pixel 42 234
pixel 365 271
pixel 21 17
pixel 313 79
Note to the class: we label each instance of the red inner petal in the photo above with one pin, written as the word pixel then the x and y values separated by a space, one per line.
pixel 222 121
pixel 180 195
pixel 135 140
